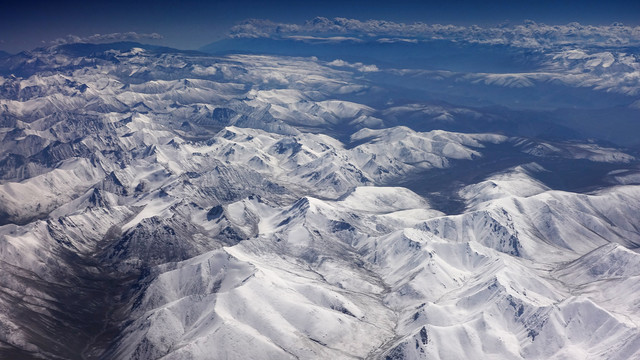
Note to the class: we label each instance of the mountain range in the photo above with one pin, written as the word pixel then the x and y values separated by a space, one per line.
pixel 302 198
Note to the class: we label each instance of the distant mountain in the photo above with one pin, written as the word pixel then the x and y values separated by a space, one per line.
pixel 28 63
pixel 84 49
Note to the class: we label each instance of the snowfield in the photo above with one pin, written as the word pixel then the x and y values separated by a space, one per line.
pixel 169 205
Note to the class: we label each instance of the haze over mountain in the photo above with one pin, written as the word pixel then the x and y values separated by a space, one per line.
pixel 334 188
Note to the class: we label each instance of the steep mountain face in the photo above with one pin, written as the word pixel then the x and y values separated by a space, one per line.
pixel 164 204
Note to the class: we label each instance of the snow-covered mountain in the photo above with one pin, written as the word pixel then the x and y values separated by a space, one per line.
pixel 164 204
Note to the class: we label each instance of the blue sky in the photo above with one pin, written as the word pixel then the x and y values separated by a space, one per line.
pixel 190 24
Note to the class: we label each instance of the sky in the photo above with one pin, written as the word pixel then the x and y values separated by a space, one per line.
pixel 190 24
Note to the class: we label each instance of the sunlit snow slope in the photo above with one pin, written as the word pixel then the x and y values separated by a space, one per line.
pixel 162 204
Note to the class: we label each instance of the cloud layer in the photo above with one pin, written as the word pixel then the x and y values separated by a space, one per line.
pixel 527 35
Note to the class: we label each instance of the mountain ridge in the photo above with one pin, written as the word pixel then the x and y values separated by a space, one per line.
pixel 163 204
